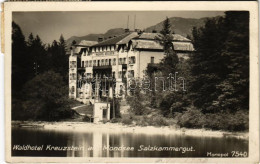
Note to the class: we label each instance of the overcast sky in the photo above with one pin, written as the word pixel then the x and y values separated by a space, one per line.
pixel 50 25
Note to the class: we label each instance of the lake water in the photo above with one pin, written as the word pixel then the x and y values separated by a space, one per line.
pixel 95 144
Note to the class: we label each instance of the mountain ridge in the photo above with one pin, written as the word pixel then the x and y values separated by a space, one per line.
pixel 182 26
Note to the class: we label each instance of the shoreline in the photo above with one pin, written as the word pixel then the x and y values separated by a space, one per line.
pixel 118 127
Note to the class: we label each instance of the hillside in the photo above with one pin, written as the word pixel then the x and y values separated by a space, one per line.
pixel 182 26
pixel 94 37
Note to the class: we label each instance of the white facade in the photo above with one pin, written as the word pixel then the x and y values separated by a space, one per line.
pixel 121 58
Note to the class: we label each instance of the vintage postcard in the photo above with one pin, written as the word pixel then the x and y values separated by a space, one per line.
pixel 131 82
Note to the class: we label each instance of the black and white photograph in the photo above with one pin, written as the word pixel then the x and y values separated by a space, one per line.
pixel 131 84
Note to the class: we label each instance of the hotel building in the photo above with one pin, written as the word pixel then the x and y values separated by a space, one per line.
pixel 119 58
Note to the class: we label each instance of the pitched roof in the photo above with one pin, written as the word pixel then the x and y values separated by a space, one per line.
pixel 124 38
pixel 177 37
pixel 147 44
pixel 153 36
pixel 86 43
pixel 183 46
pixel 155 45
pixel 128 38
pixel 83 43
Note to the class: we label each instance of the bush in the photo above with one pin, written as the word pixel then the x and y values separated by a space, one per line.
pixel 115 120
pixel 193 118
pixel 127 120
pixel 86 118
pixel 44 98
pixel 238 121
pixel 156 120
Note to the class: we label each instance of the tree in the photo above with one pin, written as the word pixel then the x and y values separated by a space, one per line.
pixel 169 62
pixel 37 53
pixel 45 98
pixel 22 68
pixel 58 58
pixel 135 102
pixel 234 89
pixel 207 65
pixel 220 65
pixel 168 65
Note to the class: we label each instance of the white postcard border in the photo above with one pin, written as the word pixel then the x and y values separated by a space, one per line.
pixel 251 6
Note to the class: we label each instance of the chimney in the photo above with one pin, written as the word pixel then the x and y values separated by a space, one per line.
pixel 100 39
pixel 137 30
pixel 154 31
pixel 126 30
pixel 140 32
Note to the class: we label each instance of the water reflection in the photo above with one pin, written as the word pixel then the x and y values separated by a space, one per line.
pixel 95 143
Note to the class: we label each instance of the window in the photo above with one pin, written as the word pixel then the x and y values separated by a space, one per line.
pixel 86 63
pixel 106 62
pixel 131 73
pixel 72 89
pixel 102 62
pixel 114 61
pixel 120 61
pixel 88 75
pixel 124 61
pixel 132 60
pixel 113 74
pixel 94 63
pixel 98 63
pixel 109 62
pixel 152 60
pixel 73 64
pixel 73 76
pixel 90 63
pixel 120 74
pixel 82 65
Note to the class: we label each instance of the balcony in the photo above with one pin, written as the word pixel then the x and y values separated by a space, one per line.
pixel 102 67
pixel 105 53
pixel 81 69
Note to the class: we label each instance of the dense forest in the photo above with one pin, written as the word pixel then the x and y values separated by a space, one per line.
pixel 39 78
pixel 216 78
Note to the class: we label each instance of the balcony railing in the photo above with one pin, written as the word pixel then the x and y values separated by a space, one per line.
pixel 105 53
